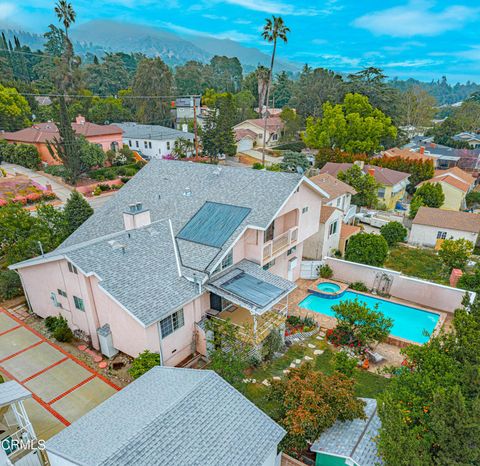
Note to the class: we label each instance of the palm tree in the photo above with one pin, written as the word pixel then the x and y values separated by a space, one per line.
pixel 65 14
pixel 273 30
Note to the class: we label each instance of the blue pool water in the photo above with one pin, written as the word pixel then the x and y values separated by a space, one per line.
pixel 328 287
pixel 408 322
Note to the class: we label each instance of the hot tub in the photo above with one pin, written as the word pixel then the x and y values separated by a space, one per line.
pixel 327 287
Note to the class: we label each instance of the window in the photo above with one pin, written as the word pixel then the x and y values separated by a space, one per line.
pixel 145 144
pixel 79 303
pixel 130 143
pixel 171 323
pixel 72 268
pixel 269 265
pixel 227 261
pixel 332 229
pixel 168 145
pixel 339 200
pixel 441 234
pixel 62 293
pixel 381 193
pixel 292 250
pixel 149 144
pixel 305 210
pixel 274 137
pixel 136 143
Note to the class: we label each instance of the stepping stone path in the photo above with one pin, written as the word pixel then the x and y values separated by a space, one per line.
pixel 249 381
pixel 266 383
pixel 308 358
pixel 311 346
pixel 293 365
pixel 276 378
pixel 102 365
pixel 298 361
pixel 286 371
pixel 318 352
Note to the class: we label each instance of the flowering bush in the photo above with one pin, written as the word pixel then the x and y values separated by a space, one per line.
pixel 31 198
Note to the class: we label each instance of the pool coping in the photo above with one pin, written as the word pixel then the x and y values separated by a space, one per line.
pixel 313 288
pixel 330 322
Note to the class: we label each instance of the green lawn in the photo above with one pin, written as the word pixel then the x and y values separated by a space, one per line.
pixel 420 263
pixel 367 384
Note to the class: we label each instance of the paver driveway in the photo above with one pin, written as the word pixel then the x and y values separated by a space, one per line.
pixel 63 387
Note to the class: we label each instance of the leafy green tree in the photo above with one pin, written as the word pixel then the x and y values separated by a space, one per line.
pixel 355 126
pixel 143 363
pixel 393 232
pixel 77 210
pixel 229 353
pixel 244 102
pixel 367 248
pixel 226 74
pixel 360 323
pixel 292 123
pixel 455 253
pixel 417 107
pixel 292 161
pixel 429 195
pixel 183 147
pixel 282 90
pixel 10 284
pixel 91 155
pixel 308 402
pixel 152 85
pixel 193 77
pixel 109 77
pixel 15 112
pixel 108 110
pixel 470 280
pixel 217 134
pixel 25 155
pixel 415 204
pixel 419 170
pixel 430 410
pixel 364 183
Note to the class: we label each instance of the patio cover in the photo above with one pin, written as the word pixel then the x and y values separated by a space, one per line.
pixel 251 287
pixel 12 392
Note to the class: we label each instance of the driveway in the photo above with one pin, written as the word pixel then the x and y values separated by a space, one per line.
pixel 63 387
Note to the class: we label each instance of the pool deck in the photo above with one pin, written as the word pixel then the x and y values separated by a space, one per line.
pixel 328 322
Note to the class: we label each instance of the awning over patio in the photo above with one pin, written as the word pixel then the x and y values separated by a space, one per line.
pixel 251 287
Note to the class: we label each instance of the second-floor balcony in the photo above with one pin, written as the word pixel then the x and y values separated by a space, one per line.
pixel 280 244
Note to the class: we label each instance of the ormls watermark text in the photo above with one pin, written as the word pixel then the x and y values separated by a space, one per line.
pixel 12 444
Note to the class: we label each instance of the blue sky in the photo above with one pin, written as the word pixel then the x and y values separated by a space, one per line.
pixel 424 39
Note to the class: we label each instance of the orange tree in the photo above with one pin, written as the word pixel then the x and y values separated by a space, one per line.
pixel 310 402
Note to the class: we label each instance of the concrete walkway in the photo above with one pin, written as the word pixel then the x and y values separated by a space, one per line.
pixel 257 154
pixel 63 192
pixel 63 387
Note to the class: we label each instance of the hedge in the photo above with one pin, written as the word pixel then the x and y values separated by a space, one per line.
pixel 25 155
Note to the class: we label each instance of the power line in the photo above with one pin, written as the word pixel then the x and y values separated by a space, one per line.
pixel 82 96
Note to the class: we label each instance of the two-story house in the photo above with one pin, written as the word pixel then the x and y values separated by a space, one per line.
pixel 255 127
pixel 336 214
pixel 179 243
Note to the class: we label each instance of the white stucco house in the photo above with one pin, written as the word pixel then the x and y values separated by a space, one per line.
pixel 275 128
pixel 432 226
pixel 171 416
pixel 152 141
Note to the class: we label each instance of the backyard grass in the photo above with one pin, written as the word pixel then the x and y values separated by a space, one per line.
pixel 419 263
pixel 368 384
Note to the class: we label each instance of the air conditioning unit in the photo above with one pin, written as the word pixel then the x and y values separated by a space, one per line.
pixel 106 341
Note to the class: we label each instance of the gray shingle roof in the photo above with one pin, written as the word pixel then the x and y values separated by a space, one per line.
pixel 11 392
pixel 153 132
pixel 171 416
pixel 353 439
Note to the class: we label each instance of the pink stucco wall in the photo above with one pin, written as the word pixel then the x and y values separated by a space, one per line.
pixel 422 292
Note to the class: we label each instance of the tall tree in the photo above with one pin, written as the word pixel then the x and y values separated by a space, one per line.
pixel 417 107
pixel 77 210
pixel 273 30
pixel 226 74
pixel 15 112
pixel 365 185
pixel 282 90
pixel 152 87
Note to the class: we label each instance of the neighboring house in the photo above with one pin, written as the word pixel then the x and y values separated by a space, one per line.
pixel 409 154
pixel 171 416
pixel 108 137
pixel 456 184
pixel 393 183
pixel 275 128
pixel 186 110
pixel 351 442
pixel 179 243
pixel 333 233
pixel 473 139
pixel 152 141
pixel 245 139
pixel 432 226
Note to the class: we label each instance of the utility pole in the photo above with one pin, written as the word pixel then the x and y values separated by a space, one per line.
pixel 195 130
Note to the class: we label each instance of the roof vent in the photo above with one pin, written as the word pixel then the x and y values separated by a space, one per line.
pixel 187 192
pixel 116 245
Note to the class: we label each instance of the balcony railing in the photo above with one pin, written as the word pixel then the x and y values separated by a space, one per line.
pixel 280 244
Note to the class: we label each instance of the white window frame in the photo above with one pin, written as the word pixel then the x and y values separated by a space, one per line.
pixel 172 323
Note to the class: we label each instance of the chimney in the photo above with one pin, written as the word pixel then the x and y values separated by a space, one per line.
pixel 455 276
pixel 135 216
pixel 80 120
pixel 360 163
pixel 371 171
pixel 422 150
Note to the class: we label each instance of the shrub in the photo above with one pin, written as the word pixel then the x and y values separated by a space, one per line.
pixel 455 253
pixel 59 328
pixel 143 363
pixel 10 285
pixel 271 345
pixel 294 320
pixel 358 286
pixel 344 363
pixel 257 166
pixel 292 146
pixel 393 232
pixel 97 191
pixel 50 323
pixel 367 248
pixel 55 170
pixel 325 271
pixel 25 155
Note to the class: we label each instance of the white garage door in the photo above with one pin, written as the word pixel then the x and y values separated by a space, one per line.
pixel 244 144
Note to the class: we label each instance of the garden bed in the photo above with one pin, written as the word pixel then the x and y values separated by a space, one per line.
pixel 22 190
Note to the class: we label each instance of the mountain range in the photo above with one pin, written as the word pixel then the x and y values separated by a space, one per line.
pixel 101 36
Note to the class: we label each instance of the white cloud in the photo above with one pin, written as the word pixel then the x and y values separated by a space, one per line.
pixel 7 10
pixel 276 7
pixel 417 18
pixel 215 17
pixel 411 63
pixel 231 35
pixel 242 21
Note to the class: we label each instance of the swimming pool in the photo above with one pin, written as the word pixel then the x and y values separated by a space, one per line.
pixel 408 322
pixel 328 287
